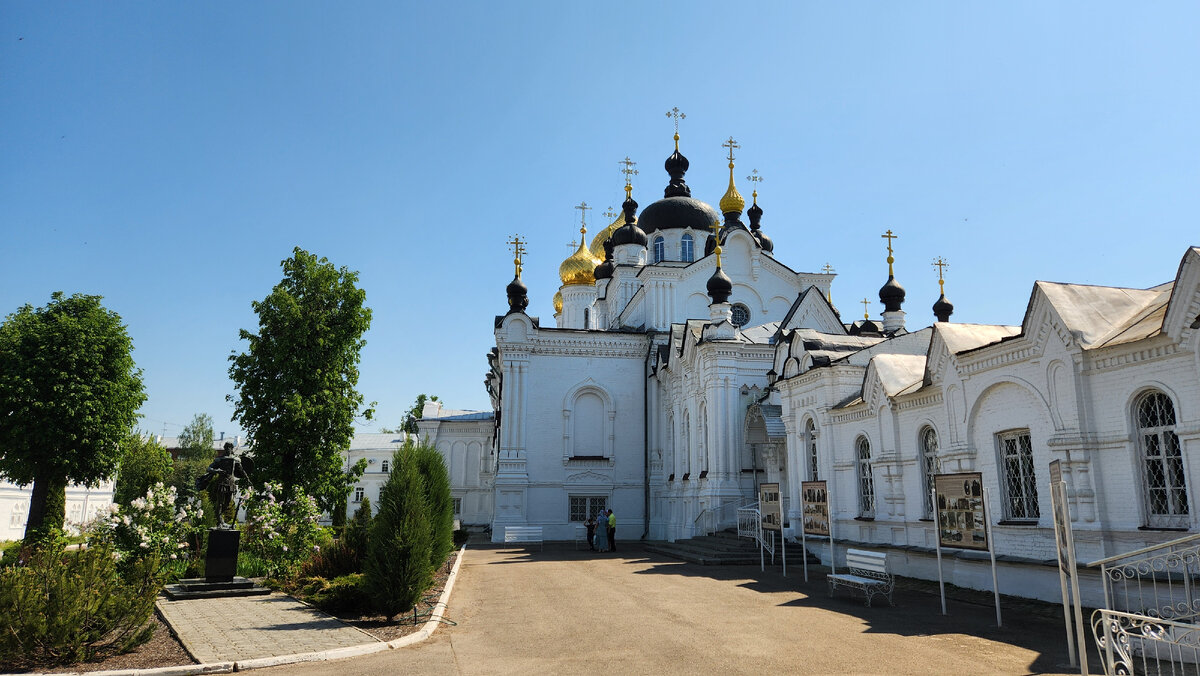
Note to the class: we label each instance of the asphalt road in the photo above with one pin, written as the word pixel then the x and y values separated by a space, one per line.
pixel 566 612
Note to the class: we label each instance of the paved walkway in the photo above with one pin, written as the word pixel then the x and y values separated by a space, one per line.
pixel 249 627
pixel 566 612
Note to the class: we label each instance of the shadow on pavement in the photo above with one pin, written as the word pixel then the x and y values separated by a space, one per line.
pixel 1033 625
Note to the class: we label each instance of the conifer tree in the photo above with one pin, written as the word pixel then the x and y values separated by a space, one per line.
pixel 439 500
pixel 397 569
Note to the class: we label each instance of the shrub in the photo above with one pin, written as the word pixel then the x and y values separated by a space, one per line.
pixel 332 561
pixel 460 537
pixel 439 501
pixel 152 526
pixel 397 569
pixel 60 607
pixel 280 535
pixel 341 594
pixel 358 532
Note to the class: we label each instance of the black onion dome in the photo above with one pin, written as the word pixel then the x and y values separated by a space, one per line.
pixel 629 233
pixel 891 295
pixel 765 242
pixel 720 286
pixel 518 295
pixel 605 269
pixel 677 208
pixel 943 308
pixel 676 166
pixel 755 213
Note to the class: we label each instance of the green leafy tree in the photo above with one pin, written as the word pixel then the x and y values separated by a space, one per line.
pixel 397 570
pixel 296 381
pixel 195 454
pixel 144 462
pixel 438 499
pixel 70 391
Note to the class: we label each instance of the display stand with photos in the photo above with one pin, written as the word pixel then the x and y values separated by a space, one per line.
pixel 960 501
pixel 1068 576
pixel 814 500
pixel 771 510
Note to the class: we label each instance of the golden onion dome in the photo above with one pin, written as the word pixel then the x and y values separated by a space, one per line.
pixel 597 246
pixel 579 268
pixel 732 202
pixel 558 302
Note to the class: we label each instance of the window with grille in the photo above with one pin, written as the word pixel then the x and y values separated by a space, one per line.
pixel 866 481
pixel 660 249
pixel 1163 483
pixel 383 467
pixel 457 507
pixel 741 315
pixel 929 467
pixel 1018 482
pixel 810 434
pixel 358 493
pixel 585 506
pixel 685 249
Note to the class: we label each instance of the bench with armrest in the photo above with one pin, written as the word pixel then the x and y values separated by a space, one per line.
pixel 866 571
pixel 524 535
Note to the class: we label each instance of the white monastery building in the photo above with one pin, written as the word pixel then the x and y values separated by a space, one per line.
pixel 682 371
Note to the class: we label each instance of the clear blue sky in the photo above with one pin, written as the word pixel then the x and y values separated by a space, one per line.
pixel 168 156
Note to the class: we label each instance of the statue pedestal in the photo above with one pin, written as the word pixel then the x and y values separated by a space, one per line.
pixel 220 561
pixel 220 571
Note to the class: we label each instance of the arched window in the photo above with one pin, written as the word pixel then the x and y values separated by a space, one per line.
pixel 587 318
pixel 660 249
pixel 929 466
pixel 810 438
pixel 686 455
pixel 866 482
pixel 685 249
pixel 1164 486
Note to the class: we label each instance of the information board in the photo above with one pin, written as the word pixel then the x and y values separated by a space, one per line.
pixel 815 501
pixel 960 510
pixel 768 503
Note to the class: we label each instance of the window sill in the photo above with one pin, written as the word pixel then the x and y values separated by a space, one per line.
pixel 1016 522
pixel 1167 529
pixel 864 518
pixel 924 520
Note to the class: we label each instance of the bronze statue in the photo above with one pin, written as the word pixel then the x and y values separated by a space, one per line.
pixel 221 480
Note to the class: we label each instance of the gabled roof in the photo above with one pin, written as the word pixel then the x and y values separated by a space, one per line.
pixel 898 372
pixel 962 337
pixel 1099 313
pixel 813 303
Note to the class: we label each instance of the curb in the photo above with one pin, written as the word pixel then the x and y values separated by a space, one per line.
pixel 421 634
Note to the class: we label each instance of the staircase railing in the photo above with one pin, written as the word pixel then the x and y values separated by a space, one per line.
pixel 1151 608
pixel 711 520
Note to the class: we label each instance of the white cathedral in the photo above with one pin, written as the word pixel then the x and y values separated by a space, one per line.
pixel 688 364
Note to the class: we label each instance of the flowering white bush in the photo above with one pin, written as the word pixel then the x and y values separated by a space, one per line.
pixel 281 534
pixel 152 525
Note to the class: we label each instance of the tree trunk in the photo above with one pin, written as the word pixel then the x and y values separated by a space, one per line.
pixel 47 505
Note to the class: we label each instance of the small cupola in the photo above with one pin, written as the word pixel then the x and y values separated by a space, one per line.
pixel 942 309
pixel 518 293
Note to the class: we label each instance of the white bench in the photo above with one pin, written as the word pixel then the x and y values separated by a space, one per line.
pixel 524 535
pixel 867 571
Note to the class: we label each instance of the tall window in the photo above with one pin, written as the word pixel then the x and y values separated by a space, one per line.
pixel 1164 487
pixel 585 506
pixel 685 249
pixel 358 493
pixel 587 318
pixel 810 437
pixel 457 507
pixel 383 467
pixel 866 481
pixel 660 249
pixel 1020 484
pixel 929 467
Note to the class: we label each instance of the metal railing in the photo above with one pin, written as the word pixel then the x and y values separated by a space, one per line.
pixel 1151 608
pixel 711 520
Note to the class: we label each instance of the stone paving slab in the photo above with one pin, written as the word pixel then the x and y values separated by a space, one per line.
pixel 244 628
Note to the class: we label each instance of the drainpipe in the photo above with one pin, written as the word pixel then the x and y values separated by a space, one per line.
pixel 646 441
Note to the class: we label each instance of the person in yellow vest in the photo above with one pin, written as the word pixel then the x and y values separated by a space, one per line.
pixel 612 531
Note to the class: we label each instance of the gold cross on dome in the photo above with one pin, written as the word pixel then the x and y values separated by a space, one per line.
pixel 828 269
pixel 674 113
pixel 583 209
pixel 941 264
pixel 866 308
pixel 610 214
pixel 889 237
pixel 518 248
pixel 573 246
pixel 732 145
pixel 754 179
pixel 716 228
pixel 627 168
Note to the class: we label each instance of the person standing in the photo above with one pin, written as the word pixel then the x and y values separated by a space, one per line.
pixel 591 533
pixel 612 530
pixel 601 533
